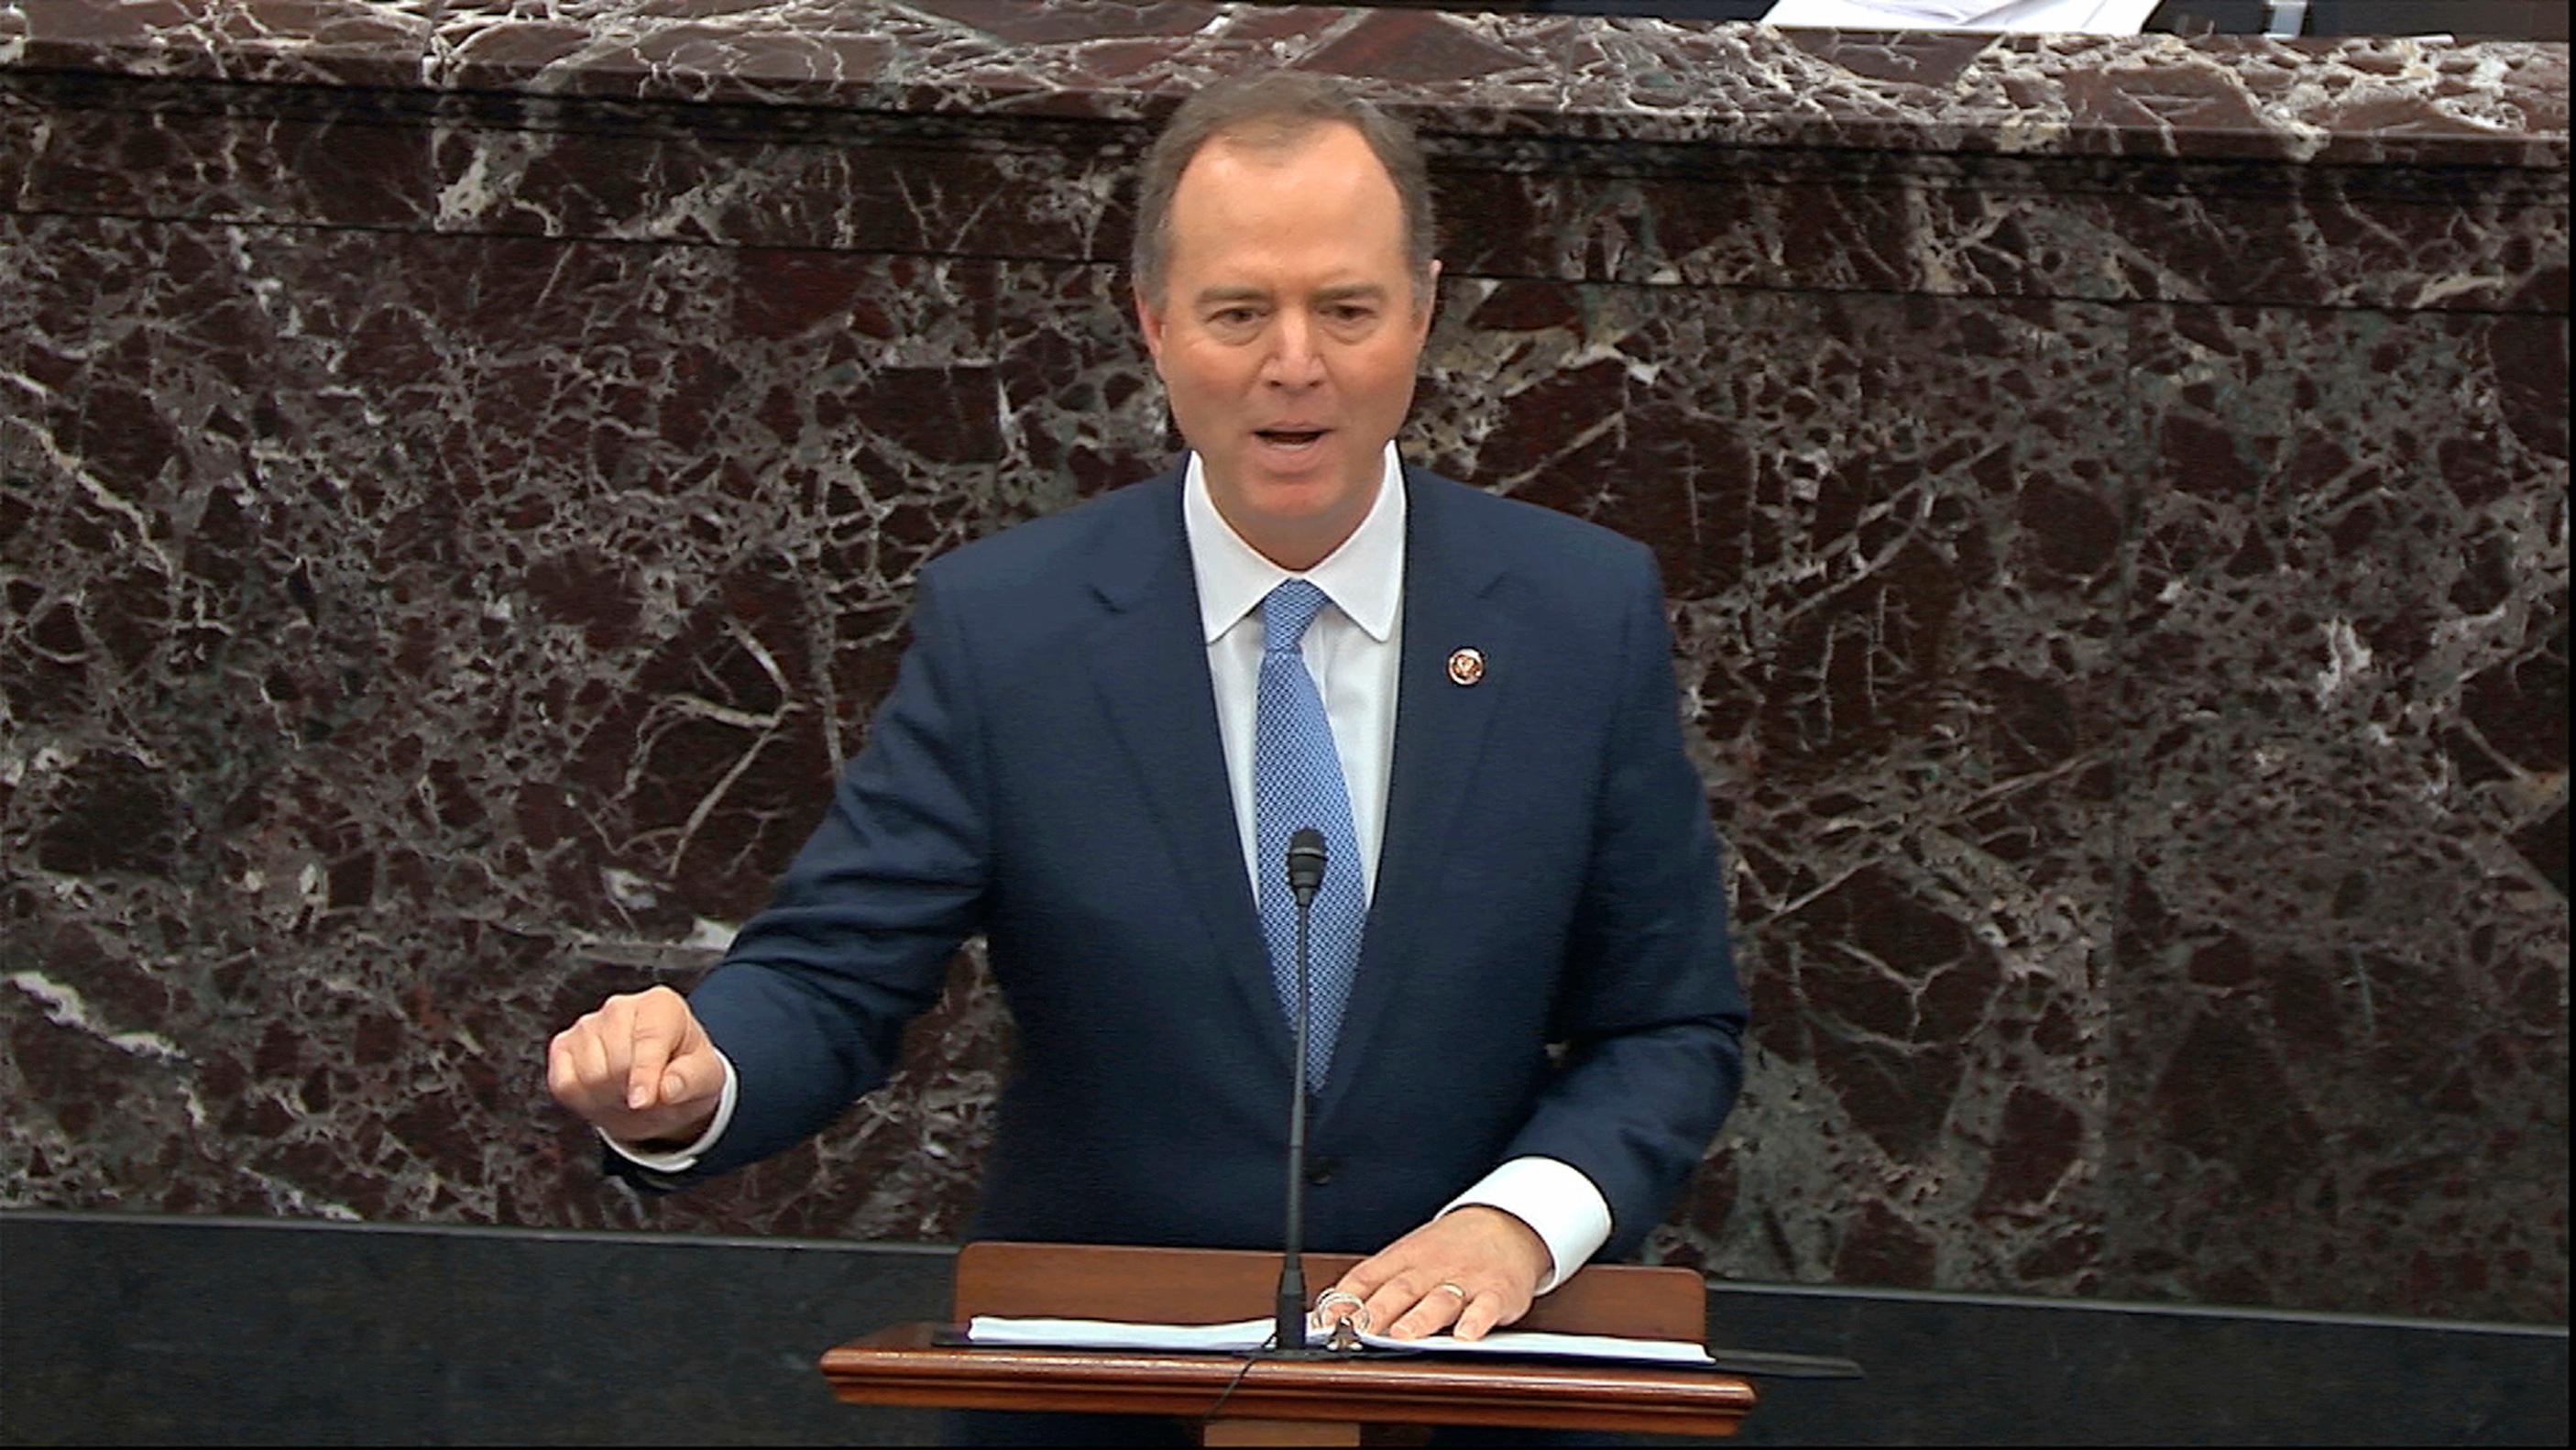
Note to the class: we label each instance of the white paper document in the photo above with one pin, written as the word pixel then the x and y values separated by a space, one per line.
pixel 2028 17
pixel 1242 1336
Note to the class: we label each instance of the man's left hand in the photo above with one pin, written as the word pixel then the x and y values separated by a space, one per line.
pixel 1465 1271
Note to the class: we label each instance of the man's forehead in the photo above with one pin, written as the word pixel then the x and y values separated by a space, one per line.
pixel 1268 147
pixel 1232 187
pixel 1276 136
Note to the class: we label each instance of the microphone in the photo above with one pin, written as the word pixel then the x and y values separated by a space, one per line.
pixel 1306 864
pixel 1305 878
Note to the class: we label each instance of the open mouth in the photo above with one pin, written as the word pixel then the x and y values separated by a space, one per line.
pixel 1289 437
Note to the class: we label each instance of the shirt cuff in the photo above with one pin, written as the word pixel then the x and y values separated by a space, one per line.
pixel 1558 1203
pixel 685 1159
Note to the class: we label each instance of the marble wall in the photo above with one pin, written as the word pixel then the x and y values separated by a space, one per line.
pixel 461 470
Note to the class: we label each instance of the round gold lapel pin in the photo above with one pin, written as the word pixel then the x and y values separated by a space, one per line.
pixel 1466 666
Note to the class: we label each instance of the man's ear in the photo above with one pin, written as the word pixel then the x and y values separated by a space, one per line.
pixel 1149 321
pixel 1427 294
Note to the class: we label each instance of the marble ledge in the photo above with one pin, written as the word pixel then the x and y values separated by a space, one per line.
pixel 2375 101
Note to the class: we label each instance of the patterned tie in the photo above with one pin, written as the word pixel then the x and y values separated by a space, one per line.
pixel 1297 782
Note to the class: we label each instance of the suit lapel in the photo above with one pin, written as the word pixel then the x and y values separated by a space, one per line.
pixel 1149 664
pixel 1440 730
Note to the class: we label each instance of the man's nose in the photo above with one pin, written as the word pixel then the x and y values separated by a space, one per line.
pixel 1294 361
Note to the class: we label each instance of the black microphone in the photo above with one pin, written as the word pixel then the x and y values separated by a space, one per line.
pixel 1305 878
pixel 1306 864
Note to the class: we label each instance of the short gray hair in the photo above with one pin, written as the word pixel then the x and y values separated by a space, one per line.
pixel 1277 108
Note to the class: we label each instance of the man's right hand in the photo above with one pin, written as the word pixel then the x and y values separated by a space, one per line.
pixel 639 1069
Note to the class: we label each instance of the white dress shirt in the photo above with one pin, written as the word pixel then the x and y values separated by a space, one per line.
pixel 1352 649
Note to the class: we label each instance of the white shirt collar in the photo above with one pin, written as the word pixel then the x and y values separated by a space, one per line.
pixel 1364 577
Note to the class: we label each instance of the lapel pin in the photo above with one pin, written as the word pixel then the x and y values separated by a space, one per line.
pixel 1466 666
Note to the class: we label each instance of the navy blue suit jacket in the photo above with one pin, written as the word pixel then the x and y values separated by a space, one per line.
pixel 1047 770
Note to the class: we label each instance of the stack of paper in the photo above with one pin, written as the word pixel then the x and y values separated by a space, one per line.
pixel 2088 17
pixel 1246 1335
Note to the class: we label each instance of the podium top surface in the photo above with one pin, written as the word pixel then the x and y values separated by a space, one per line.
pixel 908 1364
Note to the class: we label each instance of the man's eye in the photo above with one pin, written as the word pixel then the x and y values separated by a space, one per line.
pixel 1232 317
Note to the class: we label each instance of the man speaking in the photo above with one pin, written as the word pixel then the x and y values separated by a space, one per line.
pixel 1524 1020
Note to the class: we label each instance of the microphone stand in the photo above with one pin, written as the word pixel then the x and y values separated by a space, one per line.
pixel 1305 875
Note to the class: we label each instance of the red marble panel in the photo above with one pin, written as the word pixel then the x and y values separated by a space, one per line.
pixel 1897 620
pixel 292 42
pixel 507 664
pixel 2342 962
pixel 2366 100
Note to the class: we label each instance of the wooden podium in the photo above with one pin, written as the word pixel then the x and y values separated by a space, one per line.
pixel 1283 1402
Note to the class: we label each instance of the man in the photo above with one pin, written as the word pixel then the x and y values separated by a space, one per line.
pixel 1111 720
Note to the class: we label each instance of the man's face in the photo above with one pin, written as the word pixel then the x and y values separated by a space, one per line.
pixel 1287 333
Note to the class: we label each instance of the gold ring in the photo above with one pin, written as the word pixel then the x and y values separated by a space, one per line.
pixel 1452 1288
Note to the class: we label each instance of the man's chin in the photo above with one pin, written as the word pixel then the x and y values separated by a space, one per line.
pixel 1301 504
pixel 1296 512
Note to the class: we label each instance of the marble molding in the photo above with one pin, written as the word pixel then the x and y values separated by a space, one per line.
pixel 464 467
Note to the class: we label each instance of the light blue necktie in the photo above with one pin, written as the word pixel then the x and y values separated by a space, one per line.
pixel 1296 783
